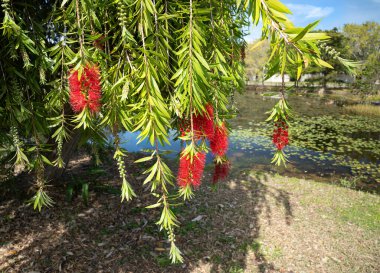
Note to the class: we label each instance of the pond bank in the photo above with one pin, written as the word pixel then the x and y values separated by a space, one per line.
pixel 365 110
pixel 325 141
pixel 338 94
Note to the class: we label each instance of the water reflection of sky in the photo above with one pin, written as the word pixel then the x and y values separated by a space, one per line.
pixel 242 157
pixel 255 152
pixel 260 152
pixel 129 142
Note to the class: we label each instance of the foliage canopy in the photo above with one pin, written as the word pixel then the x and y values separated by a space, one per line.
pixel 363 42
pixel 160 62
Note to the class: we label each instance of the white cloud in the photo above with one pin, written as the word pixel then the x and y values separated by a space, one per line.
pixel 309 11
pixel 301 13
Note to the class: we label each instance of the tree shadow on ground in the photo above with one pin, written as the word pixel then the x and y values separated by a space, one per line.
pixel 220 230
pixel 234 219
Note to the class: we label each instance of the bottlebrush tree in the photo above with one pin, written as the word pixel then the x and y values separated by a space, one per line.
pixel 72 68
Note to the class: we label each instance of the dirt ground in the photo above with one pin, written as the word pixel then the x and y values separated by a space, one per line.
pixel 254 222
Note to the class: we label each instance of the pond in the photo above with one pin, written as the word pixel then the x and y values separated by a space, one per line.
pixel 325 142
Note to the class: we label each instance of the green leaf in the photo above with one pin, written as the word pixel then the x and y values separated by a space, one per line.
pixel 323 63
pixel 127 192
pixel 305 30
pixel 202 60
pixel 69 193
pixel 85 194
pixel 299 66
pixel 257 11
pixel 47 161
pixel 154 206
pixel 144 159
pixel 315 36
pixel 277 5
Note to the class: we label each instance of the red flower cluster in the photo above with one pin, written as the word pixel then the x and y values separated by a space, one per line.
pixel 221 171
pixel 203 124
pixel 190 173
pixel 184 127
pixel 86 90
pixel 280 135
pixel 219 143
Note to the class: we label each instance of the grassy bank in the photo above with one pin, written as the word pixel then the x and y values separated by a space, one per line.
pixel 364 110
pixel 300 226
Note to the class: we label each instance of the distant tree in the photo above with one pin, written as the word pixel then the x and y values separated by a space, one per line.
pixel 335 46
pixel 257 56
pixel 363 44
pixel 335 51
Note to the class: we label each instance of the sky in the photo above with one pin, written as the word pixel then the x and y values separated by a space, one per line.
pixel 334 13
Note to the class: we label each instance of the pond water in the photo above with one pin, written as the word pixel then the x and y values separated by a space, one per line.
pixel 325 142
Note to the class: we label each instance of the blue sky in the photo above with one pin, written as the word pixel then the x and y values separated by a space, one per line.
pixel 334 13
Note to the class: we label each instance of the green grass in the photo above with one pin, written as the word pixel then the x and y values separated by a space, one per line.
pixel 131 225
pixel 96 171
pixel 373 98
pixel 106 189
pixel 355 207
pixel 216 259
pixel 138 210
pixel 272 253
pixel 255 246
pixel 269 252
pixel 105 231
pixel 261 250
pixel 189 227
pixel 365 215
pixel 163 261
pixel 4 243
pixel 236 269
pixel 348 183
pixel 364 110
pixel 226 239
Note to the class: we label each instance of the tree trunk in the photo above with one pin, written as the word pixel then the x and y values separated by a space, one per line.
pixel 324 81
pixel 53 173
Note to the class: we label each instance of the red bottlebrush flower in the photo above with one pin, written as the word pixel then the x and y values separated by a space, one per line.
pixel 203 124
pixel 86 90
pixel 77 98
pixel 190 173
pixel 94 101
pixel 197 125
pixel 219 143
pixel 92 77
pixel 74 83
pixel 94 88
pixel 184 127
pixel 221 171
pixel 78 101
pixel 208 126
pixel 280 135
